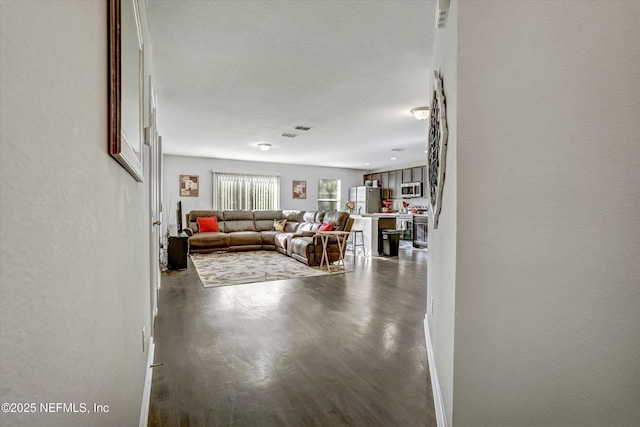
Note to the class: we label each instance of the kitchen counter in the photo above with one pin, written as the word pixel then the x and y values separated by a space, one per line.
pixel 371 224
pixel 372 215
pixel 391 215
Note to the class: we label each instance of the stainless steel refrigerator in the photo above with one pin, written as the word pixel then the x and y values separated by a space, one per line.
pixel 368 199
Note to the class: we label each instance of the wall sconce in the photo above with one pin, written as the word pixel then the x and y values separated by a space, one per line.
pixel 420 113
pixel 264 146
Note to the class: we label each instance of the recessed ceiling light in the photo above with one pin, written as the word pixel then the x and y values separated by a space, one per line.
pixel 394 158
pixel 264 146
pixel 367 163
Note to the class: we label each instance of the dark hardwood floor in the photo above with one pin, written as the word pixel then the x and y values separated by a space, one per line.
pixel 340 350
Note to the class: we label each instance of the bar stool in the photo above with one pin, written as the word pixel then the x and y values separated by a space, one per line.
pixel 354 242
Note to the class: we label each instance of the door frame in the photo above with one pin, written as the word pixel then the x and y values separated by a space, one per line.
pixel 155 204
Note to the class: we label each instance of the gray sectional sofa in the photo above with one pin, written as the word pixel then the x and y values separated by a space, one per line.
pixel 246 230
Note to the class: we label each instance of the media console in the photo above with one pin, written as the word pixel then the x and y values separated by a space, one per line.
pixel 177 252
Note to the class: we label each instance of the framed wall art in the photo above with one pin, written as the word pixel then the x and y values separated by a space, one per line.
pixel 299 189
pixel 437 149
pixel 126 86
pixel 189 186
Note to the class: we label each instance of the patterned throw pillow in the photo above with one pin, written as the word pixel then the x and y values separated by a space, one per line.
pixel 278 225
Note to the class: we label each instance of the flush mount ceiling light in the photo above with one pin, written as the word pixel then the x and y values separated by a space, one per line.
pixel 264 146
pixel 420 113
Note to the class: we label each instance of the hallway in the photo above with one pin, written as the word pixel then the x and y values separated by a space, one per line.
pixel 324 351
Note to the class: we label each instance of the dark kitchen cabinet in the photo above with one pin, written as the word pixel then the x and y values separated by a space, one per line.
pixel 406 175
pixel 384 179
pixel 416 174
pixel 395 181
pixel 391 181
pixel 384 183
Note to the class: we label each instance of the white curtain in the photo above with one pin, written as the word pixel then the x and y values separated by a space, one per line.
pixel 245 191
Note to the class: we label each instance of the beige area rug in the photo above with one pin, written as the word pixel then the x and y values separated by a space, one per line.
pixel 235 268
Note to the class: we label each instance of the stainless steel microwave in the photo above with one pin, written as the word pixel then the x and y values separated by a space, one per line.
pixel 411 189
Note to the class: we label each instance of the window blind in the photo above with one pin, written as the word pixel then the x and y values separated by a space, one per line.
pixel 245 191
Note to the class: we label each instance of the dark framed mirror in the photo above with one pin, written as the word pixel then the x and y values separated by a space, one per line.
pixel 126 85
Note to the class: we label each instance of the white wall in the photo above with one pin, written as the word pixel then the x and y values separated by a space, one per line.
pixel 441 272
pixel 547 292
pixel 174 166
pixel 74 278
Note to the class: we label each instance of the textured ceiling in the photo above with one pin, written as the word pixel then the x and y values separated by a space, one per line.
pixel 231 74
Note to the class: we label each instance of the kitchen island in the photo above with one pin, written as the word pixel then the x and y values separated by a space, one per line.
pixel 371 225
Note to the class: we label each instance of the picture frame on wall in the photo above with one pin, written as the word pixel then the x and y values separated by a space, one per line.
pixel 126 86
pixel 189 186
pixel 299 189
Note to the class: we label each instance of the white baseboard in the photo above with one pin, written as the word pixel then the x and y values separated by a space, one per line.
pixel 438 402
pixel 146 391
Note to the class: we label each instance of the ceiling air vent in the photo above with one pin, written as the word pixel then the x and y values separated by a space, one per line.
pixel 397 149
pixel 442 11
pixel 304 128
pixel 289 135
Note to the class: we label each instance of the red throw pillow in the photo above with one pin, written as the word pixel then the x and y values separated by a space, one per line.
pixel 327 227
pixel 209 223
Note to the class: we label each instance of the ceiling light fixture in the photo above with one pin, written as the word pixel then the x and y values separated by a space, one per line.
pixel 264 146
pixel 420 113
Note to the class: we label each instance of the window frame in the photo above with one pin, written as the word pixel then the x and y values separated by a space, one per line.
pixel 338 193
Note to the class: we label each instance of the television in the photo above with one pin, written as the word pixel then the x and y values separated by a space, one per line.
pixel 179 217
